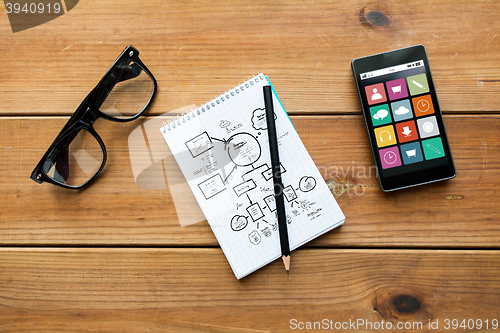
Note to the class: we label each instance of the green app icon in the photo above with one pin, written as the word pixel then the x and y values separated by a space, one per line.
pixel 380 115
pixel 433 148
pixel 417 84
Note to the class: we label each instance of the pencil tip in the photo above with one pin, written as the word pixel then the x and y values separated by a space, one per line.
pixel 286 261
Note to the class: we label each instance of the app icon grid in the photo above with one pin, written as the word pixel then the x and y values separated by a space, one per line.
pixel 399 111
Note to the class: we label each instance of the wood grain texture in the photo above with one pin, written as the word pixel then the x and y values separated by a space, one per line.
pixel 197 49
pixel 462 212
pixel 113 258
pixel 165 290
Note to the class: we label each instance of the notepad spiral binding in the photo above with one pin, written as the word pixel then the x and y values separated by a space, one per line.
pixel 183 118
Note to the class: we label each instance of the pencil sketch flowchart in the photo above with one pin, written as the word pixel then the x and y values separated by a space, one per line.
pixel 234 164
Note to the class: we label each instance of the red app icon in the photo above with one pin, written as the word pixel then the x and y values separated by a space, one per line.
pixel 407 131
pixel 375 93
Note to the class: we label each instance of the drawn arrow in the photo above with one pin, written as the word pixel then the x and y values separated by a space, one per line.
pixel 234 168
pixel 251 203
pixel 224 141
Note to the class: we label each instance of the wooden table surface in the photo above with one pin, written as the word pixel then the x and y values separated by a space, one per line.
pixel 113 257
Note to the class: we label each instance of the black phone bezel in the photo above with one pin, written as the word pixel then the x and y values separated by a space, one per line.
pixel 416 177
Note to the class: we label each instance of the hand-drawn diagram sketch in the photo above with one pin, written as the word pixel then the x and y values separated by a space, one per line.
pixel 235 163
pixel 222 149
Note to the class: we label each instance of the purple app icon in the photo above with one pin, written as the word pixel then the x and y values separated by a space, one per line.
pixel 396 89
pixel 389 157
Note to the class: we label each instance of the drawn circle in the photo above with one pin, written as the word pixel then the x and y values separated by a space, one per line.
pixel 239 222
pixel 254 237
pixel 307 183
pixel 243 149
pixel 428 127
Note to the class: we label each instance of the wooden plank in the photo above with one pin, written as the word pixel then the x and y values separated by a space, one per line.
pixel 198 49
pixel 160 290
pixel 462 212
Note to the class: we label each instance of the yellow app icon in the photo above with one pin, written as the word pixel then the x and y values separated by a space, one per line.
pixel 385 136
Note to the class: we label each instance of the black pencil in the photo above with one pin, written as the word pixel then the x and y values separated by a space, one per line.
pixel 278 185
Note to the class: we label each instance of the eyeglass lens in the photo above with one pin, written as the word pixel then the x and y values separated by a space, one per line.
pixel 75 159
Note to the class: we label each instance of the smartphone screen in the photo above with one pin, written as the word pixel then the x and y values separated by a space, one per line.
pixel 403 119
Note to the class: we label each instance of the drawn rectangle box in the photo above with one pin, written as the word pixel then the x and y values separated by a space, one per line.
pixel 268 174
pixel 289 193
pixel 270 202
pixel 255 211
pixel 212 186
pixel 253 174
pixel 199 144
pixel 244 187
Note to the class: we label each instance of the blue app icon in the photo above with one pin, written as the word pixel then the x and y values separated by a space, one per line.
pixel 411 153
pixel 401 110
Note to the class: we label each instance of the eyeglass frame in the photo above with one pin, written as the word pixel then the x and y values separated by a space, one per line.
pixel 87 113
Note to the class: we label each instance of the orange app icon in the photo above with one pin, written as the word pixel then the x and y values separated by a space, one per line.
pixel 423 105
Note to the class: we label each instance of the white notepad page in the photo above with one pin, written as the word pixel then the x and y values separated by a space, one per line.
pixel 222 149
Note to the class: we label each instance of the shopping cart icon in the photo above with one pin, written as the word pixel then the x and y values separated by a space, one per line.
pixel 396 89
pixel 411 153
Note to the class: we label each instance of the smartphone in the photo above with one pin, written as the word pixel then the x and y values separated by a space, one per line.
pixel 403 119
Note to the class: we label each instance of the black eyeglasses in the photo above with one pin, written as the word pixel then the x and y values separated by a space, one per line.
pixel 78 154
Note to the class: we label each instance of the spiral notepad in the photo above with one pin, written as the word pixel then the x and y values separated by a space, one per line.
pixel 223 152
